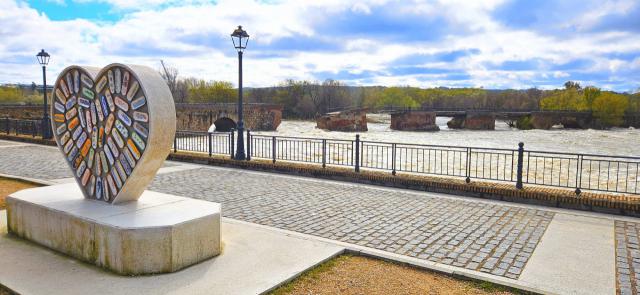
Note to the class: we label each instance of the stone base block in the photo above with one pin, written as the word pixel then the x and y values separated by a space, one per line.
pixel 159 233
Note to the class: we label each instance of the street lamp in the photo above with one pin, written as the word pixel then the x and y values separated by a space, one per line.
pixel 240 39
pixel 43 59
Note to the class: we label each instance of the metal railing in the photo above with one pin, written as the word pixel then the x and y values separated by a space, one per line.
pixel 555 169
pixel 620 174
pixel 21 127
pixel 220 143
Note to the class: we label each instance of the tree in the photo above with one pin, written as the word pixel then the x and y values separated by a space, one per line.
pixel 568 99
pixel 211 91
pixel 170 76
pixel 590 95
pixel 572 85
pixel 609 108
pixel 396 97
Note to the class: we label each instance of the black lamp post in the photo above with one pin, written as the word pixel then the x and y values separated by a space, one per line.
pixel 240 39
pixel 43 59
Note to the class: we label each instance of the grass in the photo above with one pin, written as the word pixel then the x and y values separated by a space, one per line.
pixel 348 274
pixel 9 186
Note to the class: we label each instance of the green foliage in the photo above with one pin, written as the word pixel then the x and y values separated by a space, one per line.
pixel 14 95
pixel 396 97
pixel 568 99
pixel 609 108
pixel 524 123
pixel 210 91
pixel 590 95
pixel 634 103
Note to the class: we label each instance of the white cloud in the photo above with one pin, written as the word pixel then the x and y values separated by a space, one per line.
pixel 194 36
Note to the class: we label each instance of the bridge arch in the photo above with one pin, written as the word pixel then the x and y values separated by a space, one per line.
pixel 224 124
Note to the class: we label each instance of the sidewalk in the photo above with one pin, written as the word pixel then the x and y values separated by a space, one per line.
pixel 545 249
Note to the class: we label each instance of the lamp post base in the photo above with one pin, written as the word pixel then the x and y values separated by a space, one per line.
pixel 46 128
pixel 240 155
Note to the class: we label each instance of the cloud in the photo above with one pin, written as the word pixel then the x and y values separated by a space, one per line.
pixel 489 43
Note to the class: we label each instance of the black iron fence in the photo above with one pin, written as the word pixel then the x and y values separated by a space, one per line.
pixel 21 127
pixel 519 166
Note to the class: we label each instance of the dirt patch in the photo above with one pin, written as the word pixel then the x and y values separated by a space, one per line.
pixel 9 186
pixel 362 275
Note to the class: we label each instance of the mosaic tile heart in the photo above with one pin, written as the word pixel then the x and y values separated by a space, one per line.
pixel 114 126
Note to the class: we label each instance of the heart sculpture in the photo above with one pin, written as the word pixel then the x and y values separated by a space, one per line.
pixel 114 127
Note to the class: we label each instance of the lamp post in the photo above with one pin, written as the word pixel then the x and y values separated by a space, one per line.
pixel 43 59
pixel 240 39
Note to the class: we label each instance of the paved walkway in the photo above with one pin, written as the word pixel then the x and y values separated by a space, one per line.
pixel 557 251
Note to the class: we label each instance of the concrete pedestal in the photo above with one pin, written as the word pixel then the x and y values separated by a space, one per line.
pixel 159 233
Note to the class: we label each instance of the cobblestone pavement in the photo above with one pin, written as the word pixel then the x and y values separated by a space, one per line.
pixel 33 161
pixel 481 236
pixel 628 257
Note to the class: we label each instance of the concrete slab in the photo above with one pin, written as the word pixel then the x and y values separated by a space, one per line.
pixel 575 256
pixel 253 260
pixel 160 233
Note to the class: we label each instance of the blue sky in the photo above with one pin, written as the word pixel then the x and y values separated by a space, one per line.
pixel 480 43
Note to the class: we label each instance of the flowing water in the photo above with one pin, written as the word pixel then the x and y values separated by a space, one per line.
pixel 617 141
pixel 552 169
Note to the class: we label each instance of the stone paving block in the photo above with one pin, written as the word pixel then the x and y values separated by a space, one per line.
pixel 440 229
pixel 627 256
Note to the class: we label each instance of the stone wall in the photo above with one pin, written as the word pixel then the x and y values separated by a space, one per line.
pixel 414 121
pixel 351 121
pixel 200 117
pixel 546 120
pixel 474 121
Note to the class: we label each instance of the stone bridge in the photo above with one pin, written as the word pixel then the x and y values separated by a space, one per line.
pixel 257 117
pixel 485 119
pixel 348 120
pixel 194 117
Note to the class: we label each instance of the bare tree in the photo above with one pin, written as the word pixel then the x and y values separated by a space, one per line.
pixel 170 75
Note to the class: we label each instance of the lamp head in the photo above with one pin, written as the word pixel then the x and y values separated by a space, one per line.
pixel 43 57
pixel 240 39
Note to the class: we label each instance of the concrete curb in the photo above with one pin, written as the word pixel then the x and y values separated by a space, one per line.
pixel 415 262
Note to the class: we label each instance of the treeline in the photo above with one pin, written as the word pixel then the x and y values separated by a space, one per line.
pixel 305 99
pixel 16 95
pixel 607 106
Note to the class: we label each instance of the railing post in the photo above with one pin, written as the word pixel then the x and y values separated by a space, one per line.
pixel 232 142
pixel 273 148
pixel 520 162
pixel 210 141
pixel 324 153
pixel 175 143
pixel 248 145
pixel 579 174
pixel 357 156
pixel 393 159
pixel 468 166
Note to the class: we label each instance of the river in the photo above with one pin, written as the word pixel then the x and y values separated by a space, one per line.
pixel 617 141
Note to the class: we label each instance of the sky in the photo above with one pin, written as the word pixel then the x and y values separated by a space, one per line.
pixel 493 44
